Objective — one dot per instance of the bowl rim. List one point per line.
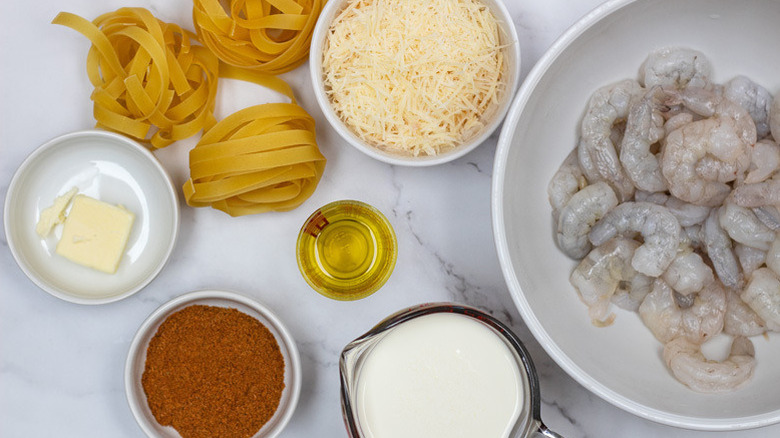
(315, 65)
(120, 141)
(499, 232)
(155, 316)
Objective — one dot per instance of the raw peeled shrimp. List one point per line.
(567, 181)
(677, 67)
(717, 243)
(699, 158)
(774, 118)
(769, 215)
(692, 236)
(686, 213)
(688, 146)
(762, 294)
(667, 319)
(659, 198)
(749, 258)
(659, 228)
(597, 153)
(764, 161)
(644, 127)
(688, 273)
(773, 255)
(711, 103)
(740, 319)
(756, 99)
(599, 275)
(630, 298)
(688, 365)
(758, 194)
(743, 226)
(676, 121)
(578, 215)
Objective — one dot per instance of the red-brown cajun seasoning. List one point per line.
(213, 372)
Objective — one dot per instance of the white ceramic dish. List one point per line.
(108, 167)
(621, 363)
(136, 359)
(512, 52)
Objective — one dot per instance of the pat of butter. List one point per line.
(95, 234)
(54, 214)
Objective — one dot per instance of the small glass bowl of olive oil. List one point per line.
(346, 250)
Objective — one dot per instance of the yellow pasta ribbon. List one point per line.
(259, 159)
(150, 82)
(272, 36)
(262, 158)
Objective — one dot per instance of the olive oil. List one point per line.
(346, 250)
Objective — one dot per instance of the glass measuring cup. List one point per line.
(354, 357)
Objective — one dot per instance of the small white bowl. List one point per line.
(621, 363)
(108, 167)
(136, 359)
(509, 39)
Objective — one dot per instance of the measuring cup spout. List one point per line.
(544, 432)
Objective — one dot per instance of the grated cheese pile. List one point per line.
(414, 77)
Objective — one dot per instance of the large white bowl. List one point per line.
(508, 37)
(621, 363)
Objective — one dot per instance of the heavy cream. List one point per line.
(439, 375)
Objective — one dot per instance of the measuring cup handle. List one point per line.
(544, 432)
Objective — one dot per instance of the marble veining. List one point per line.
(61, 364)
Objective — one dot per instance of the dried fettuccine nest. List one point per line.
(151, 82)
(271, 36)
(259, 159)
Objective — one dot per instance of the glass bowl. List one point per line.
(346, 250)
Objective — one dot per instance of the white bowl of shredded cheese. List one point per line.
(415, 83)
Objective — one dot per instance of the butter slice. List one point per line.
(54, 214)
(95, 234)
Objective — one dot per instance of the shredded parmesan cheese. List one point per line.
(414, 77)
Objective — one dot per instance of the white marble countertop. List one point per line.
(61, 364)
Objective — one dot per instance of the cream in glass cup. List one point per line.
(440, 369)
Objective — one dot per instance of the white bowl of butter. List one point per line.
(91, 217)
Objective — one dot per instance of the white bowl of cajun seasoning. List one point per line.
(212, 363)
(414, 83)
